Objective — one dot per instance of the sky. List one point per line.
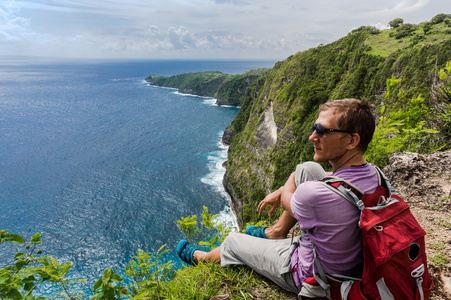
(192, 29)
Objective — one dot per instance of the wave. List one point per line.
(160, 87)
(216, 173)
(214, 178)
(207, 100)
(211, 101)
(191, 95)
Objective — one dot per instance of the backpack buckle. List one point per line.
(360, 204)
(418, 272)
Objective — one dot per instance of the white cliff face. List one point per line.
(266, 134)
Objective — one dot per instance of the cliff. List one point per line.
(227, 89)
(405, 73)
(400, 71)
(197, 83)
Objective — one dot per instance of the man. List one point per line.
(340, 135)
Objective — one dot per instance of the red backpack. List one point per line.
(395, 264)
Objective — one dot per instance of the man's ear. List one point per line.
(354, 142)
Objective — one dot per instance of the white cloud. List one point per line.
(410, 4)
(154, 30)
(182, 28)
(181, 38)
(12, 27)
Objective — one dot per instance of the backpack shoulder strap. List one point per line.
(346, 189)
(352, 193)
(383, 180)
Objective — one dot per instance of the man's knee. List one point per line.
(308, 171)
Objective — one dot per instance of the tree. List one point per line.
(396, 23)
(439, 18)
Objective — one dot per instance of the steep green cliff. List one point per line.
(228, 89)
(198, 83)
(270, 133)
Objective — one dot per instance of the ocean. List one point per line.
(102, 164)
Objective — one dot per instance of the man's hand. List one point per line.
(273, 200)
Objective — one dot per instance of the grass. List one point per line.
(438, 246)
(438, 259)
(382, 44)
(210, 279)
(444, 223)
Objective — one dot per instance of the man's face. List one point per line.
(332, 145)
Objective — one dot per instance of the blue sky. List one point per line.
(194, 29)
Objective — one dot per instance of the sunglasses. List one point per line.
(321, 130)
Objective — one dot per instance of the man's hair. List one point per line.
(356, 117)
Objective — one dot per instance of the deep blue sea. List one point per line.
(102, 164)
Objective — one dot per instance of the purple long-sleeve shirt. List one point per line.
(331, 223)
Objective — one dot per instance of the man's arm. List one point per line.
(272, 199)
(288, 190)
(280, 197)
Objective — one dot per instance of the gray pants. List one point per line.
(270, 258)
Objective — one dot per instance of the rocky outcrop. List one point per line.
(206, 89)
(266, 134)
(204, 84)
(423, 179)
(424, 182)
(235, 202)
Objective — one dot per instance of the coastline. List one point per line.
(216, 162)
(227, 89)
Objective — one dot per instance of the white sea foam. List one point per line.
(230, 106)
(211, 101)
(214, 178)
(227, 217)
(190, 95)
(214, 102)
(217, 171)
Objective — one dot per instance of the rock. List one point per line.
(227, 136)
(446, 284)
(266, 134)
(424, 182)
(422, 179)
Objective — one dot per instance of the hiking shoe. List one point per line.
(256, 231)
(185, 251)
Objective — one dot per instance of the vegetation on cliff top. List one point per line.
(228, 89)
(146, 276)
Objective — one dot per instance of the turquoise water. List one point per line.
(102, 164)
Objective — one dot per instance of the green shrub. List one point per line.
(439, 18)
(31, 270)
(146, 276)
(208, 235)
(404, 30)
(402, 130)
